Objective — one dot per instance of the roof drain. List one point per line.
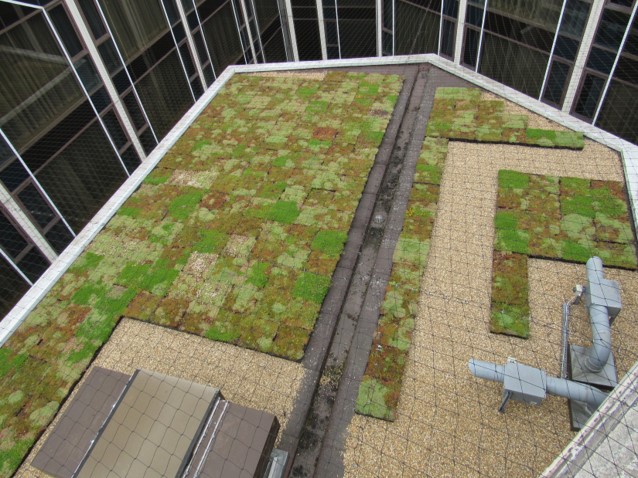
(590, 367)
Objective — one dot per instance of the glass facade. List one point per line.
(89, 88)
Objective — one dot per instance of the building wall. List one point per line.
(89, 87)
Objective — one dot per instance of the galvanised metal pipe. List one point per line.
(598, 353)
(553, 385)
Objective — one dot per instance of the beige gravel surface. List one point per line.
(448, 424)
(245, 377)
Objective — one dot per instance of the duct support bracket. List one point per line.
(606, 379)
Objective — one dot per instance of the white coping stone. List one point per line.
(611, 407)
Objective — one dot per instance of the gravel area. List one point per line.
(245, 377)
(448, 424)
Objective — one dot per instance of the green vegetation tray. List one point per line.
(461, 113)
(233, 236)
(379, 390)
(564, 218)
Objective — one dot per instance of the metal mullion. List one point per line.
(14, 266)
(441, 28)
(201, 32)
(322, 29)
(291, 30)
(480, 45)
(128, 75)
(379, 26)
(613, 68)
(460, 32)
(102, 71)
(394, 26)
(584, 48)
(83, 88)
(283, 31)
(249, 33)
(36, 182)
(551, 52)
(337, 26)
(256, 20)
(190, 41)
(16, 213)
(179, 53)
(238, 25)
(75, 73)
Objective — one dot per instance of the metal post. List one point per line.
(480, 45)
(586, 43)
(238, 25)
(322, 30)
(613, 68)
(438, 51)
(551, 52)
(82, 87)
(179, 53)
(291, 28)
(256, 20)
(201, 31)
(191, 42)
(244, 12)
(394, 26)
(379, 16)
(460, 30)
(337, 25)
(105, 77)
(121, 57)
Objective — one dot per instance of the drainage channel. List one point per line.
(337, 354)
(351, 355)
(358, 318)
(303, 452)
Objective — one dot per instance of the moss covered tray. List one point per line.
(234, 236)
(381, 384)
(550, 217)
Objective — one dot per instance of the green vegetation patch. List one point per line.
(462, 114)
(330, 243)
(570, 219)
(312, 287)
(222, 239)
(381, 384)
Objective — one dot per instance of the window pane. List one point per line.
(11, 240)
(36, 82)
(12, 287)
(589, 94)
(13, 175)
(515, 65)
(83, 176)
(556, 82)
(36, 205)
(33, 264)
(59, 237)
